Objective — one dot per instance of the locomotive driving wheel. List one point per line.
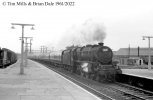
(103, 77)
(87, 75)
(98, 78)
(82, 74)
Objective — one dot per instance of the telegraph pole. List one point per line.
(22, 43)
(43, 49)
(149, 51)
(46, 49)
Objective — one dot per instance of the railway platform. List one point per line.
(38, 83)
(143, 73)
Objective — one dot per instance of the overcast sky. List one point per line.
(121, 22)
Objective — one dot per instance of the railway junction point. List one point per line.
(38, 83)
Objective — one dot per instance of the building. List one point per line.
(133, 56)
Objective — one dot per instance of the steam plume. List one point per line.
(90, 32)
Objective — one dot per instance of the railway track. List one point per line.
(87, 87)
(137, 92)
(105, 91)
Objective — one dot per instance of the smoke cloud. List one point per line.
(90, 32)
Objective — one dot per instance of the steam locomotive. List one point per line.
(91, 61)
(7, 57)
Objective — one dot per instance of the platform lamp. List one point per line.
(22, 43)
(30, 44)
(149, 51)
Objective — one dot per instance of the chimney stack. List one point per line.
(101, 44)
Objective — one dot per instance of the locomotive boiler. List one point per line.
(91, 61)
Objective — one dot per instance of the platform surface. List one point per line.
(38, 83)
(144, 73)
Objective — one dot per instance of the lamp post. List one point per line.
(30, 44)
(22, 43)
(149, 51)
(26, 50)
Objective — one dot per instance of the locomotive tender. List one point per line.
(7, 57)
(91, 61)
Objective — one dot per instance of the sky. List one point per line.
(116, 23)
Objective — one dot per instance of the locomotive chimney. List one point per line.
(101, 44)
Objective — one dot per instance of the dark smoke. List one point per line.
(90, 32)
(94, 31)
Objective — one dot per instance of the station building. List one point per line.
(133, 56)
